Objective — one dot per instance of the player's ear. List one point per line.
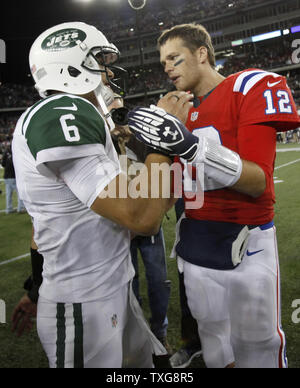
(202, 54)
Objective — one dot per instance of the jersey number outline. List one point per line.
(71, 132)
(284, 102)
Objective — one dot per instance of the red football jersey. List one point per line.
(243, 113)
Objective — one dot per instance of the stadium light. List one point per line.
(259, 38)
(137, 4)
(237, 42)
(268, 35)
(295, 29)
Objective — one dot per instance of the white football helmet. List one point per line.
(70, 58)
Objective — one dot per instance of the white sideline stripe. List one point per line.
(287, 149)
(14, 259)
(3, 211)
(287, 164)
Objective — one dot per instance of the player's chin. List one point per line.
(181, 86)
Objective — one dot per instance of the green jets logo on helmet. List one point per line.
(63, 39)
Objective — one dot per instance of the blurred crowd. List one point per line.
(152, 77)
(14, 95)
(7, 126)
(145, 85)
(264, 57)
(166, 16)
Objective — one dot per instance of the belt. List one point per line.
(267, 226)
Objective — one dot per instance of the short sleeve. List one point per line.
(63, 127)
(265, 98)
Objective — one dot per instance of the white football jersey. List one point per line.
(86, 256)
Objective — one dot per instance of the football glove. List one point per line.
(33, 283)
(162, 131)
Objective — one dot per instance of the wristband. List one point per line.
(150, 150)
(37, 262)
(33, 283)
(220, 163)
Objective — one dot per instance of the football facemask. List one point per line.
(106, 57)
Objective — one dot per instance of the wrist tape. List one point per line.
(220, 163)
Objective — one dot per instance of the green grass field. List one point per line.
(15, 232)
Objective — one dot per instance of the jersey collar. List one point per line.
(198, 100)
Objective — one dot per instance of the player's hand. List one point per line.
(177, 104)
(22, 315)
(122, 131)
(160, 130)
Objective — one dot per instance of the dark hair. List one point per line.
(193, 36)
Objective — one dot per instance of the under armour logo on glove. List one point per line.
(162, 131)
(168, 131)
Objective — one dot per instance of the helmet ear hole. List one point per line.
(73, 71)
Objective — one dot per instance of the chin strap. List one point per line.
(105, 97)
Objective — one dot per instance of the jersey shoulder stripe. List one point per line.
(248, 79)
(32, 110)
(63, 121)
(39, 104)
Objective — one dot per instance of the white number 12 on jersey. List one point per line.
(284, 103)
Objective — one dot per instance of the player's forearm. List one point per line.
(148, 212)
(252, 180)
(140, 204)
(228, 169)
(33, 243)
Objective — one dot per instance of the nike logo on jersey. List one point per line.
(73, 107)
(253, 253)
(270, 85)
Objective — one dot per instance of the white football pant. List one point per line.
(110, 333)
(238, 311)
